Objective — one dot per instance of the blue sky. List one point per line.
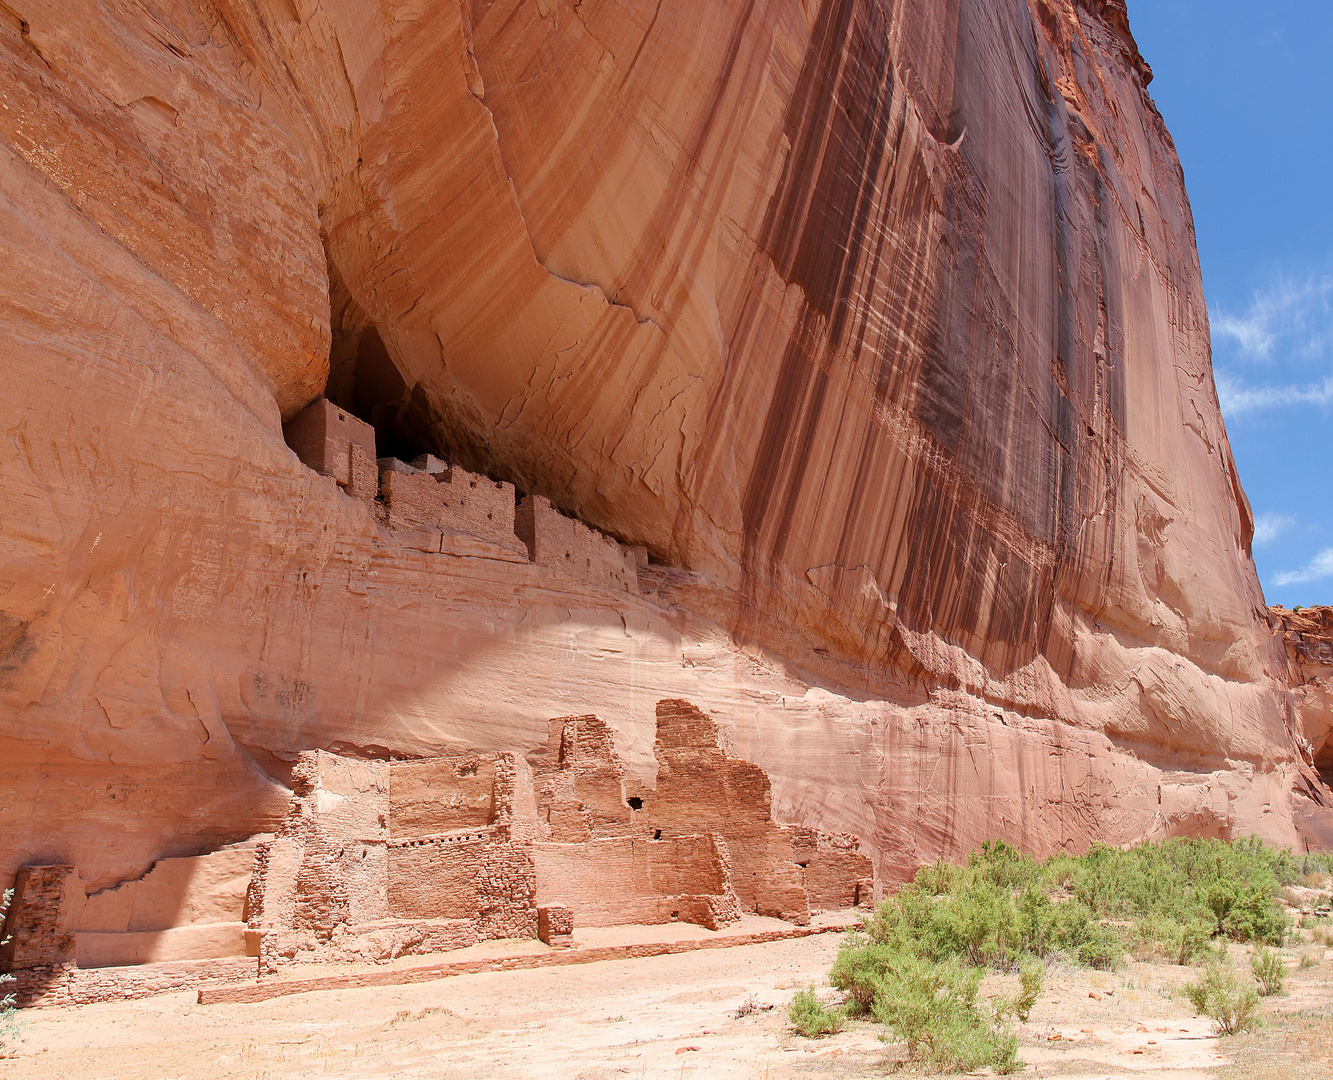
(1247, 91)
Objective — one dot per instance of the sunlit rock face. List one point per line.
(1307, 635)
(878, 324)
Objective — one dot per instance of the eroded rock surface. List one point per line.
(875, 325)
(1307, 634)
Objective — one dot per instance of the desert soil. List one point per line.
(669, 1016)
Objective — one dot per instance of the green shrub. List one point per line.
(1269, 971)
(1308, 961)
(932, 1006)
(861, 964)
(9, 1019)
(811, 1018)
(916, 962)
(1030, 973)
(1222, 995)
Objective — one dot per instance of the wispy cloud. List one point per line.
(1321, 566)
(1268, 527)
(1236, 396)
(1293, 317)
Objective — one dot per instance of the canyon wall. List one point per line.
(876, 326)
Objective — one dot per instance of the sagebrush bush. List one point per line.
(932, 1007)
(1030, 974)
(1269, 972)
(811, 1018)
(916, 963)
(1222, 995)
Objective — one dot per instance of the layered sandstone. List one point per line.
(876, 326)
(1307, 634)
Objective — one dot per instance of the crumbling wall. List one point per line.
(557, 541)
(836, 874)
(702, 789)
(580, 787)
(328, 870)
(430, 495)
(39, 929)
(382, 858)
(616, 880)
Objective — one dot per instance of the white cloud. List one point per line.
(1268, 527)
(1238, 397)
(1296, 315)
(1321, 566)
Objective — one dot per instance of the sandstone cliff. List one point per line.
(877, 323)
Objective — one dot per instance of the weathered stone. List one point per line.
(877, 325)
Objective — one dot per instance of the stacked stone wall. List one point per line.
(559, 542)
(39, 929)
(434, 496)
(702, 789)
(617, 880)
(335, 443)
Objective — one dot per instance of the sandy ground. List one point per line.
(669, 1016)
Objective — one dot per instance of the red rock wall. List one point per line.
(878, 322)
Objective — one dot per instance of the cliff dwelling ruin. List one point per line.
(384, 858)
(820, 393)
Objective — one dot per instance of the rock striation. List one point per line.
(1307, 634)
(844, 367)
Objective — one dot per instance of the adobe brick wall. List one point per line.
(322, 435)
(554, 540)
(430, 494)
(615, 880)
(42, 917)
(554, 923)
(41, 987)
(363, 474)
(411, 855)
(837, 875)
(702, 789)
(580, 785)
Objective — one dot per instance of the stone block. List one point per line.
(553, 923)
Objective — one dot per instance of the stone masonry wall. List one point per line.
(701, 789)
(617, 880)
(580, 787)
(836, 874)
(483, 877)
(434, 496)
(40, 925)
(322, 436)
(555, 540)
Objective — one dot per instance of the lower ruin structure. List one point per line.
(383, 858)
